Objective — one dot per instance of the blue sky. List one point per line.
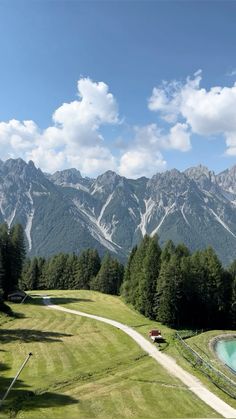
(106, 62)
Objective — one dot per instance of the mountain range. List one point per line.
(65, 212)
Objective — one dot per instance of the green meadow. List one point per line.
(82, 368)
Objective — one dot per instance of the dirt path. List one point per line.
(166, 361)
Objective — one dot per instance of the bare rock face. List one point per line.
(66, 212)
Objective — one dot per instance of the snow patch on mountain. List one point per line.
(28, 228)
(167, 211)
(104, 207)
(145, 217)
(183, 214)
(132, 212)
(99, 231)
(77, 186)
(222, 222)
(11, 217)
(35, 193)
(30, 217)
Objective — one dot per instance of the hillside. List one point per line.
(83, 368)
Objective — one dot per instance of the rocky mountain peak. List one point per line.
(70, 176)
(204, 178)
(107, 182)
(227, 180)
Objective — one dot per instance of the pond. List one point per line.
(226, 351)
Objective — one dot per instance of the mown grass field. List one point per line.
(82, 368)
(113, 307)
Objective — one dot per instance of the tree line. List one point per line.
(170, 285)
(12, 256)
(178, 288)
(69, 271)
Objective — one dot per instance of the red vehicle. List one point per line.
(155, 335)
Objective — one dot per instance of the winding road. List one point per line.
(164, 360)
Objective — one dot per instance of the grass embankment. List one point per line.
(82, 368)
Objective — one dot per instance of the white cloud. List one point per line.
(16, 136)
(231, 144)
(141, 162)
(144, 157)
(206, 112)
(152, 137)
(179, 137)
(75, 137)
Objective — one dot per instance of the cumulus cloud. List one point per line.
(141, 162)
(144, 157)
(74, 137)
(206, 112)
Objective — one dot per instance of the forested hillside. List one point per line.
(167, 284)
(178, 288)
(12, 255)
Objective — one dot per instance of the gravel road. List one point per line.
(166, 361)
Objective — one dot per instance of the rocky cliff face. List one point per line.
(66, 212)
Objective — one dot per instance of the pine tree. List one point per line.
(24, 279)
(167, 251)
(137, 274)
(17, 253)
(126, 288)
(5, 249)
(2, 277)
(109, 277)
(232, 272)
(41, 263)
(148, 279)
(88, 267)
(170, 292)
(53, 274)
(166, 294)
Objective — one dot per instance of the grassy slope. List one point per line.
(85, 369)
(114, 308)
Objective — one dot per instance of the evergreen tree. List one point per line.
(33, 275)
(148, 279)
(17, 253)
(232, 272)
(53, 272)
(109, 277)
(137, 274)
(166, 293)
(2, 277)
(126, 287)
(181, 250)
(167, 251)
(24, 280)
(215, 287)
(5, 250)
(41, 263)
(88, 267)
(71, 271)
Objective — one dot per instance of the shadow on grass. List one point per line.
(62, 300)
(29, 335)
(21, 398)
(140, 325)
(38, 300)
(26, 400)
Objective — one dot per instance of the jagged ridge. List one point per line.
(66, 212)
